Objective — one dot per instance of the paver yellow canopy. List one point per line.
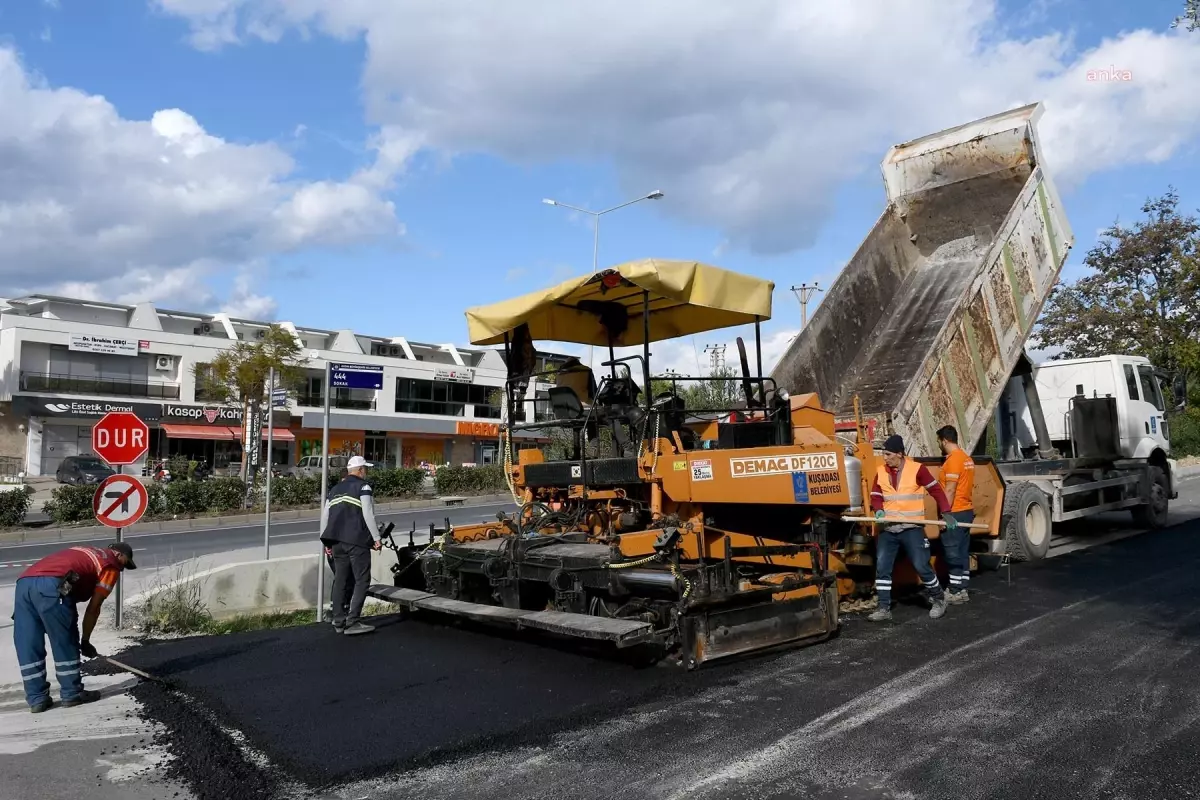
(683, 298)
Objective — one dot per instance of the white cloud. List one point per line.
(115, 208)
(748, 115)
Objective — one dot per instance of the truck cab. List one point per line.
(1132, 381)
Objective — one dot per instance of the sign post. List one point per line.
(339, 376)
(119, 501)
(270, 463)
(324, 491)
(120, 438)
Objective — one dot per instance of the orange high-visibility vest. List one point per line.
(908, 498)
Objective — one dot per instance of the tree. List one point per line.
(1191, 16)
(719, 390)
(1141, 297)
(238, 376)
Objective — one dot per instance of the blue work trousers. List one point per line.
(887, 546)
(39, 613)
(957, 544)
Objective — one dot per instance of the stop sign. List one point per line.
(120, 438)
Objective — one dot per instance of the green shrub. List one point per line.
(291, 492)
(178, 467)
(1185, 433)
(224, 494)
(469, 480)
(156, 497)
(14, 505)
(388, 483)
(186, 497)
(68, 504)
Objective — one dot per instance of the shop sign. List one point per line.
(27, 406)
(107, 345)
(481, 430)
(216, 415)
(203, 415)
(455, 375)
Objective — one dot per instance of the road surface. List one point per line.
(163, 549)
(1072, 677)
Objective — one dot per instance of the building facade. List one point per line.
(68, 362)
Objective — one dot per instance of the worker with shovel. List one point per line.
(46, 596)
(898, 492)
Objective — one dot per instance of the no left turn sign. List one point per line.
(120, 500)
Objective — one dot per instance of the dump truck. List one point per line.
(927, 325)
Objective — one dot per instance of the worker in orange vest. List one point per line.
(899, 492)
(46, 594)
(958, 481)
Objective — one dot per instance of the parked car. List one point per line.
(310, 466)
(82, 470)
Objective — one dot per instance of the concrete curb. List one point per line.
(40, 535)
(1189, 471)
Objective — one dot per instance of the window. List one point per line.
(1131, 382)
(416, 396)
(1150, 390)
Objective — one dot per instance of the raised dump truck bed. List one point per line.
(928, 319)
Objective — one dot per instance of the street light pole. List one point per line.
(657, 194)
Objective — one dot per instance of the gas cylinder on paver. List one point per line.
(854, 479)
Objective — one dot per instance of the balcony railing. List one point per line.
(318, 401)
(118, 387)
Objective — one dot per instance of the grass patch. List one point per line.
(259, 622)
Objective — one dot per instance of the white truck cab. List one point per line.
(1131, 380)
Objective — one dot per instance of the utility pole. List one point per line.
(803, 293)
(716, 357)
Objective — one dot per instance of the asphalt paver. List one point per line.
(1073, 677)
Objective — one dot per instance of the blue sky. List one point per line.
(468, 197)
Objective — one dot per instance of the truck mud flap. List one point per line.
(621, 632)
(727, 632)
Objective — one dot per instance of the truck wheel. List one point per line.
(1025, 522)
(1154, 513)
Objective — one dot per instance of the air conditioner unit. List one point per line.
(395, 350)
(205, 328)
(260, 335)
(164, 363)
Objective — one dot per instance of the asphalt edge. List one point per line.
(40, 535)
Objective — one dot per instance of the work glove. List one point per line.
(951, 522)
(880, 515)
(88, 650)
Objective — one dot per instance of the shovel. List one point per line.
(134, 670)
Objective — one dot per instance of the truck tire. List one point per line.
(1154, 513)
(1025, 522)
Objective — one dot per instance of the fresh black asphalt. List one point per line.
(1074, 677)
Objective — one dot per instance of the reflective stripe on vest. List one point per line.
(906, 499)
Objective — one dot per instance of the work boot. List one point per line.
(882, 615)
(939, 608)
(357, 629)
(38, 708)
(339, 627)
(958, 598)
(86, 696)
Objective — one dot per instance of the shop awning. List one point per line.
(211, 432)
(220, 433)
